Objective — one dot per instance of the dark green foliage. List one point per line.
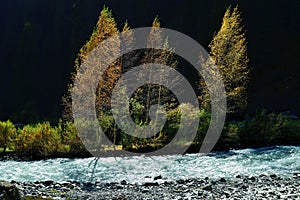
(230, 137)
(71, 140)
(204, 118)
(265, 129)
(260, 130)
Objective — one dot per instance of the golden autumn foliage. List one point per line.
(105, 28)
(40, 140)
(228, 51)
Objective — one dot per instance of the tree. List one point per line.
(228, 51)
(124, 63)
(156, 94)
(130, 59)
(105, 28)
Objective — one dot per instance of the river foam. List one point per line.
(281, 160)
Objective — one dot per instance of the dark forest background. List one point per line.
(39, 41)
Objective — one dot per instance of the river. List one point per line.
(279, 160)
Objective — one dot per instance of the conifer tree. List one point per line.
(156, 94)
(128, 41)
(105, 28)
(228, 51)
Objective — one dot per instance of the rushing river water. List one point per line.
(281, 160)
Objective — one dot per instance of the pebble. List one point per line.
(222, 180)
(157, 177)
(207, 187)
(123, 182)
(273, 176)
(261, 187)
(147, 184)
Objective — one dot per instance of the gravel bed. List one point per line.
(239, 187)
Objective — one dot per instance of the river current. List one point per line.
(279, 160)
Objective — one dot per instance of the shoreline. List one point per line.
(239, 187)
(118, 153)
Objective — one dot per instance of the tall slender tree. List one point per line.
(105, 28)
(228, 51)
(156, 94)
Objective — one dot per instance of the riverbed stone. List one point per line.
(223, 180)
(259, 188)
(157, 177)
(147, 184)
(123, 182)
(207, 187)
(9, 191)
(273, 176)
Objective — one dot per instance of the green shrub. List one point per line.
(42, 140)
(7, 133)
(204, 120)
(288, 131)
(39, 140)
(230, 137)
(265, 129)
(72, 140)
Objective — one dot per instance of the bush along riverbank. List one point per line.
(239, 187)
(42, 140)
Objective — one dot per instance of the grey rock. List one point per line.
(227, 194)
(223, 180)
(48, 183)
(259, 188)
(9, 191)
(273, 176)
(119, 187)
(147, 184)
(207, 187)
(123, 182)
(262, 176)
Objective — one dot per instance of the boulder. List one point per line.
(9, 191)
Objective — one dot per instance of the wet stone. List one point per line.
(223, 180)
(123, 182)
(207, 187)
(147, 184)
(158, 177)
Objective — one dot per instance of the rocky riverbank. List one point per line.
(239, 187)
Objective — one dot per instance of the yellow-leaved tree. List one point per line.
(105, 28)
(228, 51)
